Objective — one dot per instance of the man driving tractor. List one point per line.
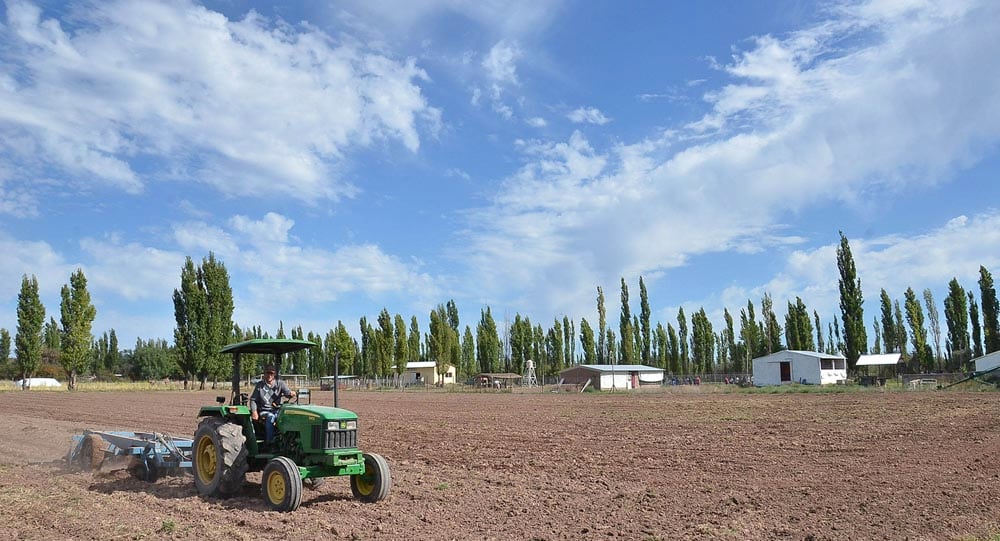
(266, 400)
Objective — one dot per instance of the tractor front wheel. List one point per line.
(219, 457)
(281, 484)
(374, 484)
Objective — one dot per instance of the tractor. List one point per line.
(310, 444)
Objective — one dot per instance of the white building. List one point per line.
(612, 376)
(791, 366)
(425, 373)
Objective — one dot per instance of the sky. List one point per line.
(345, 157)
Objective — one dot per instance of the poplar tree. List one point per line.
(189, 309)
(644, 315)
(749, 334)
(851, 305)
(900, 329)
(521, 343)
(413, 348)
(602, 324)
(662, 347)
(918, 334)
(673, 350)
(729, 339)
(4, 351)
(587, 342)
(772, 331)
(935, 325)
(977, 334)
(956, 316)
(402, 352)
(889, 337)
(702, 342)
(819, 332)
(365, 355)
(569, 341)
(468, 353)
(554, 343)
(877, 343)
(28, 339)
(625, 327)
(682, 339)
(344, 350)
(991, 326)
(77, 315)
(487, 342)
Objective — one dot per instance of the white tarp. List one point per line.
(37, 382)
(879, 360)
(651, 377)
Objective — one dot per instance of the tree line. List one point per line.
(203, 310)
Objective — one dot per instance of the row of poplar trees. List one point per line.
(203, 309)
(69, 342)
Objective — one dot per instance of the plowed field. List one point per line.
(692, 464)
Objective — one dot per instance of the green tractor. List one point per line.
(311, 443)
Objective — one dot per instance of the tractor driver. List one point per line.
(265, 399)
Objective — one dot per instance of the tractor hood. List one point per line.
(312, 414)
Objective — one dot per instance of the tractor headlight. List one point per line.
(342, 425)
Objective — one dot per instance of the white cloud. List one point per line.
(22, 257)
(501, 62)
(537, 122)
(589, 115)
(251, 107)
(131, 271)
(834, 113)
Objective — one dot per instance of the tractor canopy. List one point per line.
(276, 347)
(273, 346)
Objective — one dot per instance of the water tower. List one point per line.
(529, 379)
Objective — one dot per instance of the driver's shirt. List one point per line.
(264, 394)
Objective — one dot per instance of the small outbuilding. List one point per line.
(883, 365)
(605, 377)
(425, 373)
(790, 366)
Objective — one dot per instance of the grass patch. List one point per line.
(167, 526)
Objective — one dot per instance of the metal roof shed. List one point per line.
(790, 366)
(612, 376)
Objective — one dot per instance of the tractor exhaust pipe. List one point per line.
(336, 379)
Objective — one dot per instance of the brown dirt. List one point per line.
(664, 465)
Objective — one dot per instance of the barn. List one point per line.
(792, 366)
(605, 377)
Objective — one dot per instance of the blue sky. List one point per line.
(345, 157)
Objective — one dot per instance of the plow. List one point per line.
(304, 445)
(146, 455)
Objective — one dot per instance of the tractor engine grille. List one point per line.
(334, 439)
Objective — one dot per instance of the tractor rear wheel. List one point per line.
(219, 457)
(374, 484)
(281, 484)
